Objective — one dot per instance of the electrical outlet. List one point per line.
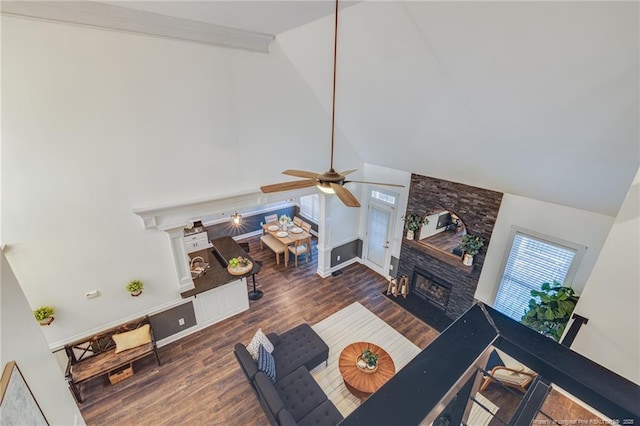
(91, 294)
(338, 258)
(181, 321)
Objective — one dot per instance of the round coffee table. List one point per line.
(362, 384)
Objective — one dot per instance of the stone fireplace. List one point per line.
(430, 288)
(440, 284)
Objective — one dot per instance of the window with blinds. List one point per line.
(532, 262)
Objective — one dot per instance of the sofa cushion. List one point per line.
(248, 365)
(266, 364)
(324, 414)
(268, 392)
(300, 393)
(300, 346)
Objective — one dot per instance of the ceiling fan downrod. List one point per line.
(333, 100)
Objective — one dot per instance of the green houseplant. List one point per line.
(44, 315)
(135, 287)
(471, 245)
(412, 223)
(370, 358)
(550, 309)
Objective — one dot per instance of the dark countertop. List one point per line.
(217, 275)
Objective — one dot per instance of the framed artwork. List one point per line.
(17, 404)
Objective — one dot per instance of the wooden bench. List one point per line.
(95, 356)
(275, 245)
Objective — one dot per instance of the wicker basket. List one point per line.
(366, 370)
(120, 374)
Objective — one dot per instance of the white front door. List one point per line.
(377, 246)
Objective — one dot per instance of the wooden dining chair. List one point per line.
(301, 247)
(269, 219)
(306, 227)
(297, 221)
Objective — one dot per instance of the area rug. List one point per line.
(355, 323)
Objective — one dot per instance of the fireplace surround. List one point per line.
(478, 209)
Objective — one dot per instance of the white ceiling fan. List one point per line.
(329, 181)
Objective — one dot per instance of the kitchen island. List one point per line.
(218, 294)
(218, 257)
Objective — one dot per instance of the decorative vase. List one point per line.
(136, 293)
(467, 259)
(410, 234)
(46, 321)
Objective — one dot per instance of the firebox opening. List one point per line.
(430, 288)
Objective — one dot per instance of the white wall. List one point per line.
(97, 123)
(472, 92)
(23, 342)
(569, 224)
(612, 295)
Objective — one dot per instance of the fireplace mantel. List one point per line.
(448, 258)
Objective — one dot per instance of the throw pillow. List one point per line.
(266, 363)
(259, 339)
(132, 339)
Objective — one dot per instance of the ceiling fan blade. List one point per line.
(287, 186)
(348, 172)
(375, 183)
(301, 173)
(345, 195)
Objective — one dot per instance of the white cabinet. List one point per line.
(222, 302)
(197, 241)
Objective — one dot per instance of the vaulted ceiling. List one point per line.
(538, 99)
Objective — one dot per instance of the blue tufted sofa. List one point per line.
(295, 398)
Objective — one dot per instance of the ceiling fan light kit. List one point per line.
(329, 182)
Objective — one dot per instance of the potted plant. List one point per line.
(135, 287)
(368, 360)
(44, 315)
(550, 309)
(471, 245)
(412, 223)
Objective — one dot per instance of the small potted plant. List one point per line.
(412, 223)
(135, 287)
(368, 361)
(471, 245)
(44, 315)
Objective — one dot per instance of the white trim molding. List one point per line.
(107, 16)
(179, 215)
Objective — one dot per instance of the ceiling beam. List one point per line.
(101, 15)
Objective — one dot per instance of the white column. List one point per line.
(180, 260)
(324, 235)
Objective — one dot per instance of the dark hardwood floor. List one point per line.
(200, 382)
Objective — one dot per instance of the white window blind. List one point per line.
(310, 206)
(531, 263)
